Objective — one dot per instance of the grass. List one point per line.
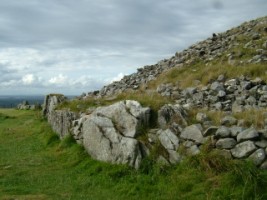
(151, 99)
(185, 77)
(35, 164)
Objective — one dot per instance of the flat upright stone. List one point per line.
(168, 139)
(193, 133)
(243, 150)
(225, 143)
(248, 134)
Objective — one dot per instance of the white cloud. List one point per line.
(28, 79)
(58, 80)
(117, 78)
(81, 45)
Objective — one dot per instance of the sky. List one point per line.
(76, 46)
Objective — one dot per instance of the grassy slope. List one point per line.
(34, 164)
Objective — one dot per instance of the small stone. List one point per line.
(192, 133)
(174, 157)
(221, 94)
(258, 157)
(216, 86)
(168, 139)
(261, 143)
(223, 132)
(243, 149)
(193, 150)
(255, 36)
(248, 134)
(228, 121)
(225, 153)
(226, 143)
(221, 78)
(264, 165)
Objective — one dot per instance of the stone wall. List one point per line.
(60, 120)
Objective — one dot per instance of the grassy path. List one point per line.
(34, 164)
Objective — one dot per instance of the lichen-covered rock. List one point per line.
(243, 149)
(193, 133)
(168, 139)
(171, 113)
(222, 132)
(108, 133)
(247, 134)
(60, 120)
(258, 157)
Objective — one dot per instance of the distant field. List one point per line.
(35, 164)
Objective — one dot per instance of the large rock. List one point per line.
(108, 133)
(247, 134)
(129, 117)
(243, 149)
(50, 103)
(193, 133)
(60, 120)
(223, 132)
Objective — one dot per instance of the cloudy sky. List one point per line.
(75, 46)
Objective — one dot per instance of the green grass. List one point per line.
(35, 164)
(185, 77)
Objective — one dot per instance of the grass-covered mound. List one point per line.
(35, 164)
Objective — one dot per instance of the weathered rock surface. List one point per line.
(171, 113)
(168, 139)
(60, 120)
(109, 133)
(258, 157)
(247, 134)
(193, 133)
(226, 143)
(243, 149)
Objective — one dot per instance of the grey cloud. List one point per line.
(102, 38)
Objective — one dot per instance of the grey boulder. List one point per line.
(243, 149)
(225, 143)
(193, 133)
(247, 134)
(108, 133)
